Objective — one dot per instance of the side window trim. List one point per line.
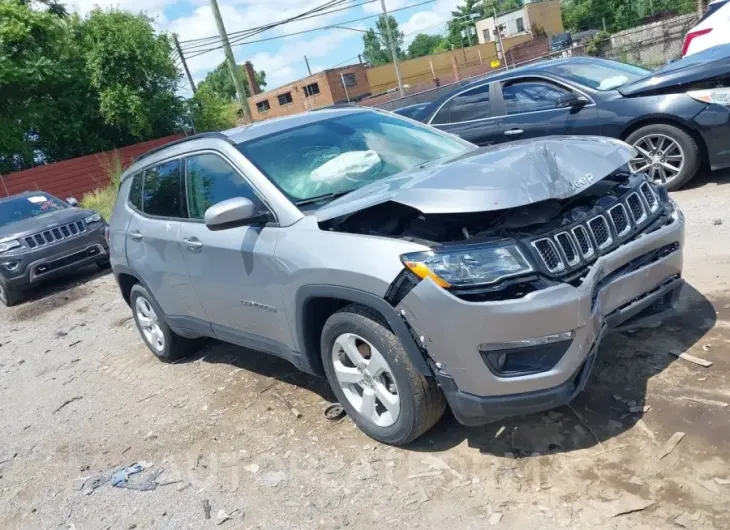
(500, 85)
(142, 173)
(233, 167)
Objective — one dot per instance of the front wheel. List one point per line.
(375, 380)
(666, 153)
(8, 295)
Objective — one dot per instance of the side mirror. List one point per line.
(72, 202)
(232, 213)
(572, 100)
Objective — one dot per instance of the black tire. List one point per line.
(103, 264)
(421, 401)
(175, 346)
(10, 296)
(685, 141)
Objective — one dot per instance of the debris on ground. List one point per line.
(495, 518)
(334, 412)
(293, 410)
(717, 222)
(706, 347)
(643, 427)
(120, 478)
(224, 516)
(206, 508)
(710, 402)
(691, 358)
(7, 456)
(273, 478)
(68, 402)
(252, 468)
(670, 444)
(687, 520)
(722, 481)
(625, 504)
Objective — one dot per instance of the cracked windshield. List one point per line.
(342, 154)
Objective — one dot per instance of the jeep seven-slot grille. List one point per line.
(571, 248)
(52, 235)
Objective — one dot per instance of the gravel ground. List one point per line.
(81, 397)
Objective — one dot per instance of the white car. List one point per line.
(712, 29)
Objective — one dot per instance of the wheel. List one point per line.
(666, 153)
(103, 263)
(374, 379)
(160, 339)
(9, 296)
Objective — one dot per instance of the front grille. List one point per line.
(600, 231)
(549, 254)
(638, 212)
(54, 235)
(571, 248)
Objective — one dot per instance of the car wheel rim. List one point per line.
(366, 379)
(149, 324)
(659, 156)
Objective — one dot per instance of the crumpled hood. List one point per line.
(494, 178)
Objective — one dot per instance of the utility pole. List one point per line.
(499, 37)
(604, 23)
(184, 62)
(232, 66)
(347, 95)
(391, 44)
(308, 68)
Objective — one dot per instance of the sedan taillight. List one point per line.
(692, 35)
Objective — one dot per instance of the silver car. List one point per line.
(409, 267)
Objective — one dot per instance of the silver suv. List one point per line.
(411, 268)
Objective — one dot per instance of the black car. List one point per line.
(412, 111)
(42, 236)
(677, 118)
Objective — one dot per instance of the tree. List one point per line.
(376, 49)
(210, 111)
(424, 45)
(221, 82)
(579, 15)
(463, 18)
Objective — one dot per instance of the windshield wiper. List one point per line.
(321, 198)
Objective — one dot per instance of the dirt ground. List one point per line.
(81, 397)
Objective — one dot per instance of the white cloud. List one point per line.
(431, 22)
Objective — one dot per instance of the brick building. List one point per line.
(336, 85)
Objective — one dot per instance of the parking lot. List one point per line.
(234, 438)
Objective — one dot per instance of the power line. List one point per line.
(331, 26)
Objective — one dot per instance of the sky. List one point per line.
(282, 59)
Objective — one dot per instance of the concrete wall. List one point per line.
(416, 72)
(650, 45)
(73, 178)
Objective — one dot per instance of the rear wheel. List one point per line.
(8, 295)
(666, 153)
(374, 379)
(160, 339)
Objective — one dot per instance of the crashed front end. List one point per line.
(510, 304)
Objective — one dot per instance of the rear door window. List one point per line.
(135, 192)
(162, 191)
(467, 106)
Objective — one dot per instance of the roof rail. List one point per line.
(218, 135)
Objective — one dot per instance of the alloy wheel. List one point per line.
(149, 324)
(660, 156)
(366, 379)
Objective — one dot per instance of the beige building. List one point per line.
(520, 21)
(337, 85)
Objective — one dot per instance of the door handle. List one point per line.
(193, 243)
(513, 132)
(136, 235)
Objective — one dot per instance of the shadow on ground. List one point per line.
(708, 177)
(626, 361)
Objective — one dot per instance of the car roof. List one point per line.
(534, 68)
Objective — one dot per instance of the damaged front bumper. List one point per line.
(464, 338)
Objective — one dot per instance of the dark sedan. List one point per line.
(677, 118)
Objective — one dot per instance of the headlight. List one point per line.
(468, 266)
(9, 244)
(720, 96)
(92, 219)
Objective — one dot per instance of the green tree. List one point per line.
(210, 111)
(617, 15)
(424, 45)
(462, 21)
(132, 69)
(221, 82)
(376, 50)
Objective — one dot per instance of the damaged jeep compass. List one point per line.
(409, 267)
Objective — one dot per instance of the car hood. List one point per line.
(42, 222)
(494, 178)
(705, 65)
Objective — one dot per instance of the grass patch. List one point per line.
(102, 199)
